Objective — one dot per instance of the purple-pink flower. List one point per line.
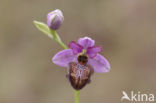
(99, 63)
(55, 19)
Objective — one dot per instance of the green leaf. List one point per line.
(44, 28)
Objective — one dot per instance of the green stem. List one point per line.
(58, 40)
(77, 96)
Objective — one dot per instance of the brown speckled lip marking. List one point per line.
(80, 73)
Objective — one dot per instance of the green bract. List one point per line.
(44, 28)
(49, 32)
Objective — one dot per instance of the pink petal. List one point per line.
(75, 47)
(55, 19)
(100, 64)
(63, 58)
(92, 51)
(86, 42)
(50, 16)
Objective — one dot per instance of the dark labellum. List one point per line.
(80, 73)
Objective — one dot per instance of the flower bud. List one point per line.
(55, 19)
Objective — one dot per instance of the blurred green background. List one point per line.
(126, 29)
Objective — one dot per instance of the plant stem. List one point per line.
(77, 96)
(58, 40)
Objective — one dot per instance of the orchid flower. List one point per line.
(55, 19)
(81, 59)
(96, 60)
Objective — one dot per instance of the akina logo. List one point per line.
(137, 96)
